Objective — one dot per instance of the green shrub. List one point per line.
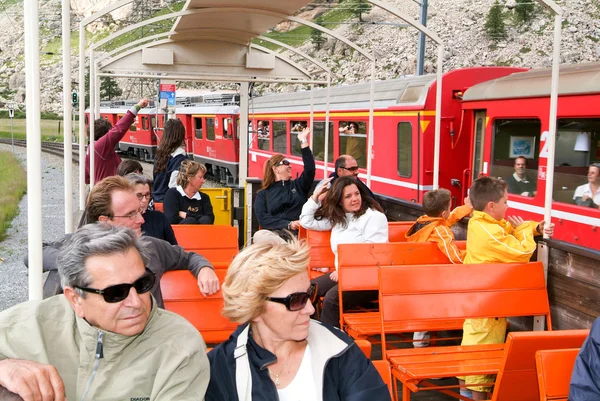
(494, 23)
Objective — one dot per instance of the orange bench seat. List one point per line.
(554, 369)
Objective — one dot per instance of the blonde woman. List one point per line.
(185, 204)
(278, 352)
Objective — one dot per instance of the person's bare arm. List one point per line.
(31, 380)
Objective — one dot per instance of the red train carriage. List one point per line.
(404, 121)
(509, 117)
(213, 138)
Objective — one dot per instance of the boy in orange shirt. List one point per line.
(492, 239)
(435, 226)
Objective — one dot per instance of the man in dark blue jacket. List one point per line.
(585, 381)
(346, 165)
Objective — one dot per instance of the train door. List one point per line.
(479, 166)
(220, 199)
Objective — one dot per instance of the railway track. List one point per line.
(53, 148)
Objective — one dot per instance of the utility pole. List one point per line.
(421, 47)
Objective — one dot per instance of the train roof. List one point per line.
(406, 91)
(574, 79)
(203, 108)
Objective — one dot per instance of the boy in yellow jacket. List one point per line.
(435, 226)
(492, 239)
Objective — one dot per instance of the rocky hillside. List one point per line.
(460, 23)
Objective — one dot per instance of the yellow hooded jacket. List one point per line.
(437, 229)
(493, 241)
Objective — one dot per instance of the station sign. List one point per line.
(11, 110)
(167, 92)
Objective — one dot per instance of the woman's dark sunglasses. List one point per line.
(117, 293)
(284, 162)
(296, 301)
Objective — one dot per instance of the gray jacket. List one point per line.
(166, 361)
(163, 257)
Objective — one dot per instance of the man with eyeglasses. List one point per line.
(113, 201)
(105, 338)
(346, 165)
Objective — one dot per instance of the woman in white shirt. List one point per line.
(353, 217)
(589, 194)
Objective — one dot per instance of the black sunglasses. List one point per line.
(296, 301)
(117, 293)
(355, 168)
(284, 162)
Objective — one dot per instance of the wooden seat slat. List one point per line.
(415, 354)
(463, 367)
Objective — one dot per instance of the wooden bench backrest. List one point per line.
(320, 249)
(554, 370)
(397, 230)
(158, 206)
(218, 244)
(182, 296)
(463, 291)
(358, 264)
(517, 378)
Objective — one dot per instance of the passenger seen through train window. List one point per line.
(575, 179)
(353, 140)
(515, 154)
(296, 127)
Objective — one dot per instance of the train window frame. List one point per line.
(319, 144)
(296, 127)
(237, 129)
(198, 132)
(145, 123)
(279, 135)
(517, 137)
(344, 138)
(408, 163)
(226, 121)
(210, 128)
(571, 166)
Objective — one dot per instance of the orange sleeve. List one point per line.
(458, 213)
(445, 241)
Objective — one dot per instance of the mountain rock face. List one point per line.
(459, 23)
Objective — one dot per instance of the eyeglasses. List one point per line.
(142, 196)
(117, 293)
(284, 162)
(354, 168)
(297, 300)
(133, 214)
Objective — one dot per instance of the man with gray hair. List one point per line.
(105, 338)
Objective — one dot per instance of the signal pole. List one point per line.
(421, 47)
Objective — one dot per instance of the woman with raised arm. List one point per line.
(185, 204)
(353, 217)
(278, 352)
(169, 155)
(279, 202)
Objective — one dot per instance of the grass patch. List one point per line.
(525, 49)
(49, 129)
(297, 36)
(13, 181)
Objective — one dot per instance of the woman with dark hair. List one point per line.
(185, 204)
(279, 202)
(169, 155)
(129, 166)
(353, 217)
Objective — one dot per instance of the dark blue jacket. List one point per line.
(347, 373)
(161, 179)
(282, 202)
(156, 225)
(585, 381)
